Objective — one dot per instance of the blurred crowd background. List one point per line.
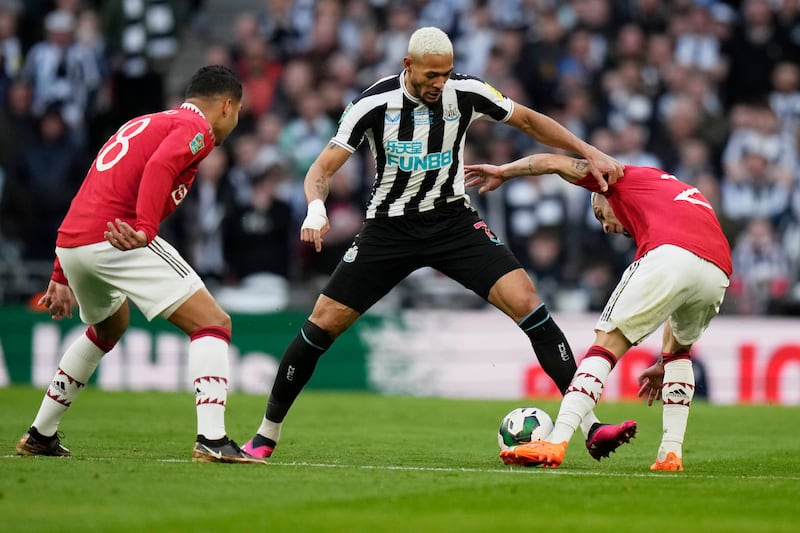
(708, 90)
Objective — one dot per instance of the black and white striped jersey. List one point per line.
(418, 148)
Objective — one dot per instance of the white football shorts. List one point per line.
(668, 282)
(155, 277)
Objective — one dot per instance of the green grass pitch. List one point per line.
(359, 462)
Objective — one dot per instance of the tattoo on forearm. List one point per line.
(322, 187)
(530, 165)
(580, 164)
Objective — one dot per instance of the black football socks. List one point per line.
(551, 346)
(295, 369)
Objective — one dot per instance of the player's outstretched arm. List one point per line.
(605, 169)
(316, 225)
(489, 177)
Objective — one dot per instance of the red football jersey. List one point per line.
(656, 208)
(140, 176)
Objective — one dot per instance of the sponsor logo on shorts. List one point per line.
(350, 254)
(482, 225)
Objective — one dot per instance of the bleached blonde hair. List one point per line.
(429, 40)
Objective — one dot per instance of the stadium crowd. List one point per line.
(707, 89)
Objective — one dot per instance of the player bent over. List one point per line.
(678, 278)
(108, 251)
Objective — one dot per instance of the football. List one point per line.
(523, 424)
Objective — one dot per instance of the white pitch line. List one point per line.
(510, 470)
(529, 471)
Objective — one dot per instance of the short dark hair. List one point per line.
(214, 80)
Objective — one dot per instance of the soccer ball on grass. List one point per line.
(523, 424)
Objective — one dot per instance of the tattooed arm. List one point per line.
(328, 162)
(316, 187)
(490, 177)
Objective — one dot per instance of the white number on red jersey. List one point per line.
(121, 139)
(687, 196)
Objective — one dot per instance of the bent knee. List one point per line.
(515, 295)
(332, 317)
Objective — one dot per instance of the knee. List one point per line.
(518, 305)
(333, 319)
(515, 294)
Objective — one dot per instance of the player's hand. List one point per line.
(123, 237)
(489, 177)
(59, 300)
(650, 381)
(315, 225)
(605, 169)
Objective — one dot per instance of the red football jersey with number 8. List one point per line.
(140, 175)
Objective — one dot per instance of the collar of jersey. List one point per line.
(192, 107)
(405, 91)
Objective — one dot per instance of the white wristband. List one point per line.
(317, 215)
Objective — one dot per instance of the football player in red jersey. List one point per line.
(108, 251)
(678, 278)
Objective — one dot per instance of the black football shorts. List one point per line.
(451, 239)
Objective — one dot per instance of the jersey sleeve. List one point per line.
(353, 125)
(185, 146)
(58, 273)
(488, 101)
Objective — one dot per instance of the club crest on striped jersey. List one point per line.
(451, 113)
(197, 143)
(350, 254)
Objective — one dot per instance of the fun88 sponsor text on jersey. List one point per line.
(418, 146)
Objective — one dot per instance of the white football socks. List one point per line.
(581, 397)
(270, 429)
(677, 393)
(208, 369)
(74, 370)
